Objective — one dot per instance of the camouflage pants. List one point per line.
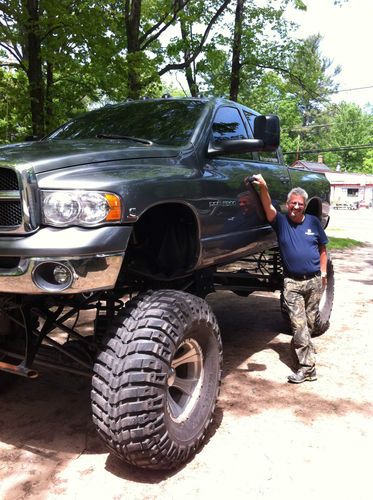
(302, 300)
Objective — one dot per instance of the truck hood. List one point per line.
(44, 156)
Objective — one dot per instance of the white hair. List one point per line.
(299, 192)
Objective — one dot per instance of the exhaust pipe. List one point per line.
(20, 370)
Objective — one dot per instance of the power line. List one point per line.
(341, 148)
(321, 125)
(329, 92)
(350, 90)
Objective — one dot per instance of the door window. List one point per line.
(228, 125)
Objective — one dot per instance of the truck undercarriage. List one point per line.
(36, 319)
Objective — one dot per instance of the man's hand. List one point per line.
(265, 198)
(256, 179)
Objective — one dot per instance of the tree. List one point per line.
(194, 41)
(368, 162)
(14, 108)
(76, 51)
(350, 126)
(55, 44)
(21, 37)
(311, 78)
(257, 41)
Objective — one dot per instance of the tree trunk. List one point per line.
(49, 99)
(34, 67)
(189, 73)
(236, 52)
(132, 14)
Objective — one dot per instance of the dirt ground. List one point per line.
(270, 439)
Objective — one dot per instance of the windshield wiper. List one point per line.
(125, 137)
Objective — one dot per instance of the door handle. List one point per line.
(284, 179)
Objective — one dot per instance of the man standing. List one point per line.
(302, 243)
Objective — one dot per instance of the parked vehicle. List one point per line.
(135, 211)
(344, 205)
(364, 204)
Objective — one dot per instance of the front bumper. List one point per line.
(92, 256)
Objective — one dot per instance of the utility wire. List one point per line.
(341, 148)
(350, 90)
(329, 92)
(321, 125)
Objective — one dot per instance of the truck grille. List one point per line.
(10, 199)
(8, 180)
(10, 213)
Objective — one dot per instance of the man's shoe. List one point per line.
(303, 374)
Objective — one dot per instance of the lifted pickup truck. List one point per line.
(137, 211)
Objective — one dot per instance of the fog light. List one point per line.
(61, 274)
(53, 276)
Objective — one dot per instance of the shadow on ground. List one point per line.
(47, 422)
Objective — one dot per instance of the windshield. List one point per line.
(166, 122)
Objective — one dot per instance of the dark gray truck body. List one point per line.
(205, 188)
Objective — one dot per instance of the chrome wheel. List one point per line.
(185, 380)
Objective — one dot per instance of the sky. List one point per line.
(347, 33)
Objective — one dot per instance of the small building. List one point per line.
(313, 166)
(351, 188)
(347, 189)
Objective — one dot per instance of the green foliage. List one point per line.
(349, 126)
(311, 78)
(96, 52)
(342, 243)
(368, 162)
(14, 110)
(76, 52)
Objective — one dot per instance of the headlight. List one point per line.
(81, 208)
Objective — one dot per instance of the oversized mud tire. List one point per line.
(326, 302)
(325, 308)
(157, 378)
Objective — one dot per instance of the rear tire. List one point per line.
(326, 302)
(325, 307)
(157, 378)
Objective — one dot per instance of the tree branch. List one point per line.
(51, 30)
(14, 52)
(197, 51)
(144, 42)
(5, 8)
(9, 65)
(286, 71)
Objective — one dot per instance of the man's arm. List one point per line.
(265, 197)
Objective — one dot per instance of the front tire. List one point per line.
(157, 378)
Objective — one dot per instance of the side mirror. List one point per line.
(267, 129)
(234, 146)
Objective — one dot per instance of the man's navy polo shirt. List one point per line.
(299, 243)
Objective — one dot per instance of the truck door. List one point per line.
(274, 171)
(277, 177)
(234, 217)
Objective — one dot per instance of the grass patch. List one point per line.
(342, 243)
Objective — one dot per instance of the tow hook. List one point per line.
(20, 370)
